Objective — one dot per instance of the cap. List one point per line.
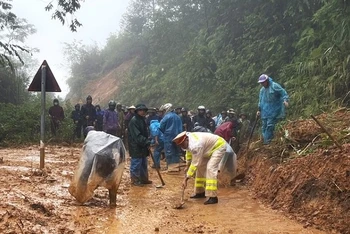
(263, 78)
(131, 107)
(151, 109)
(181, 137)
(231, 111)
(141, 107)
(201, 108)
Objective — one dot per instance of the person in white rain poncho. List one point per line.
(204, 152)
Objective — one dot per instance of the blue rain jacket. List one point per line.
(271, 101)
(154, 130)
(170, 126)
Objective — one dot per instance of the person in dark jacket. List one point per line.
(76, 116)
(139, 146)
(210, 122)
(121, 117)
(99, 118)
(152, 115)
(128, 117)
(88, 113)
(186, 120)
(56, 115)
(110, 119)
(200, 117)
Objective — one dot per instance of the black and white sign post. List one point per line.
(44, 81)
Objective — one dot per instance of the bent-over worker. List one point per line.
(204, 152)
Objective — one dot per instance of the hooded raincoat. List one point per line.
(271, 108)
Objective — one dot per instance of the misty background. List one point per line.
(100, 18)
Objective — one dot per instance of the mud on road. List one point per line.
(34, 201)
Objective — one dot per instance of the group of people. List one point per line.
(110, 120)
(205, 146)
(204, 139)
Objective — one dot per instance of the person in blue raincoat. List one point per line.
(158, 138)
(171, 126)
(272, 102)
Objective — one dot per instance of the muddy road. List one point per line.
(34, 201)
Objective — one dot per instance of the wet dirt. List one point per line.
(37, 201)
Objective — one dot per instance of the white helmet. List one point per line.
(166, 107)
(201, 108)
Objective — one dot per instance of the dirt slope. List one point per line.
(306, 175)
(104, 88)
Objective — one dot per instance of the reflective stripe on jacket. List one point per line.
(201, 144)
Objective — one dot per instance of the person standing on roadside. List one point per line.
(99, 118)
(271, 108)
(76, 116)
(110, 119)
(121, 117)
(56, 115)
(88, 113)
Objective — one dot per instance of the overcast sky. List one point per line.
(100, 18)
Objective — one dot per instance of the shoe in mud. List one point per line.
(211, 200)
(198, 195)
(137, 183)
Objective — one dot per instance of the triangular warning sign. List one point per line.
(51, 83)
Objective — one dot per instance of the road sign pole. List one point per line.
(42, 122)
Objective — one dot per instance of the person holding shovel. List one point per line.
(204, 152)
(272, 102)
(138, 146)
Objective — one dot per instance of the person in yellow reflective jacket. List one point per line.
(204, 152)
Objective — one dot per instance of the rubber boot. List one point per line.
(211, 200)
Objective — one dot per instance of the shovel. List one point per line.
(182, 202)
(157, 169)
(251, 133)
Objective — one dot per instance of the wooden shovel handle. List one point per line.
(325, 130)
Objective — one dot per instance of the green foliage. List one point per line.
(20, 124)
(66, 8)
(13, 31)
(212, 52)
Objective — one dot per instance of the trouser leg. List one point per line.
(212, 172)
(78, 130)
(157, 153)
(199, 181)
(172, 154)
(135, 169)
(144, 169)
(269, 127)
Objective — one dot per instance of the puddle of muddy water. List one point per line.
(149, 209)
(141, 209)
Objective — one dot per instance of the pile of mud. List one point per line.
(304, 174)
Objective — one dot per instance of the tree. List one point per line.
(65, 8)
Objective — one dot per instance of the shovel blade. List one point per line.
(179, 206)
